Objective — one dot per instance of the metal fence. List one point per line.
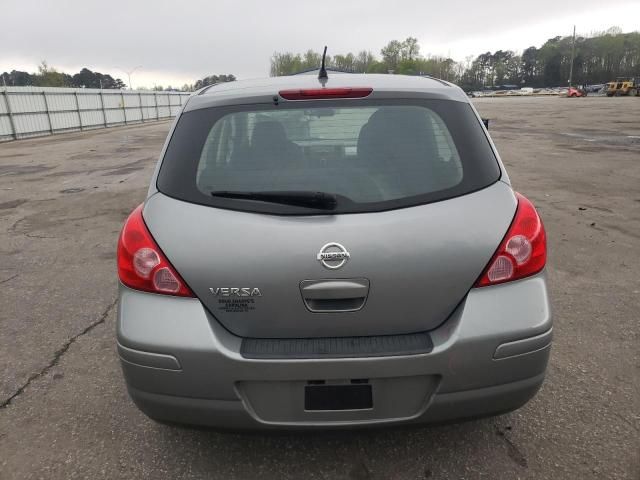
(36, 111)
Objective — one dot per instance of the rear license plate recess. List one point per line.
(338, 397)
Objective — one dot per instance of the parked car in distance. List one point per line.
(597, 88)
(576, 92)
(331, 253)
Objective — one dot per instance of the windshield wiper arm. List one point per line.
(319, 200)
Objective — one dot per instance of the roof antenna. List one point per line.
(322, 75)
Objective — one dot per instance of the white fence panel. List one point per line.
(64, 121)
(114, 117)
(89, 102)
(164, 112)
(148, 100)
(35, 123)
(59, 102)
(112, 100)
(92, 118)
(34, 111)
(133, 115)
(131, 101)
(27, 103)
(149, 113)
(5, 125)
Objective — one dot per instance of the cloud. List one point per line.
(180, 42)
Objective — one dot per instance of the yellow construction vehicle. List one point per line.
(623, 86)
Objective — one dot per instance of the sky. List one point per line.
(173, 43)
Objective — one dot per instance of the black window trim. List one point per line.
(258, 207)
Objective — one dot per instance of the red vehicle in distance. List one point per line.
(576, 92)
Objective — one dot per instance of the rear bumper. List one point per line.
(232, 414)
(181, 365)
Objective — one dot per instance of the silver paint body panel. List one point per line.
(420, 261)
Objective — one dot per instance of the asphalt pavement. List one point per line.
(64, 410)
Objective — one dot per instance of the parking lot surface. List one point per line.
(64, 410)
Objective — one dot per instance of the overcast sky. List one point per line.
(176, 44)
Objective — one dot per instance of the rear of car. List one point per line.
(336, 254)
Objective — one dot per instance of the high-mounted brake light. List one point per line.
(522, 252)
(326, 93)
(141, 263)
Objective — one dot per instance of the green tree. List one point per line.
(285, 64)
(391, 54)
(16, 78)
(50, 77)
(410, 49)
(599, 58)
(344, 63)
(363, 61)
(212, 80)
(88, 79)
(311, 60)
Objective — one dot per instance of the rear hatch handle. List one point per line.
(335, 295)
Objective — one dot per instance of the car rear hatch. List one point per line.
(415, 213)
(407, 269)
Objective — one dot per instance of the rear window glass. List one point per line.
(371, 156)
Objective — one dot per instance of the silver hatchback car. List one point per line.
(322, 253)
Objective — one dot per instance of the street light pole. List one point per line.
(129, 73)
(573, 50)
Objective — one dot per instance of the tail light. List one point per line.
(141, 263)
(326, 93)
(523, 251)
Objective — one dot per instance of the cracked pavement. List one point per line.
(64, 410)
(57, 355)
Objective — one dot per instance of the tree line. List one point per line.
(204, 82)
(47, 76)
(598, 58)
(50, 77)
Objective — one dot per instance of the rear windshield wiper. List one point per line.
(319, 200)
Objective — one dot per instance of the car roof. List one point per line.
(264, 89)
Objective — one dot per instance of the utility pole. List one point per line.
(573, 51)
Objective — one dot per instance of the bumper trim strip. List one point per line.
(526, 345)
(336, 347)
(148, 359)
